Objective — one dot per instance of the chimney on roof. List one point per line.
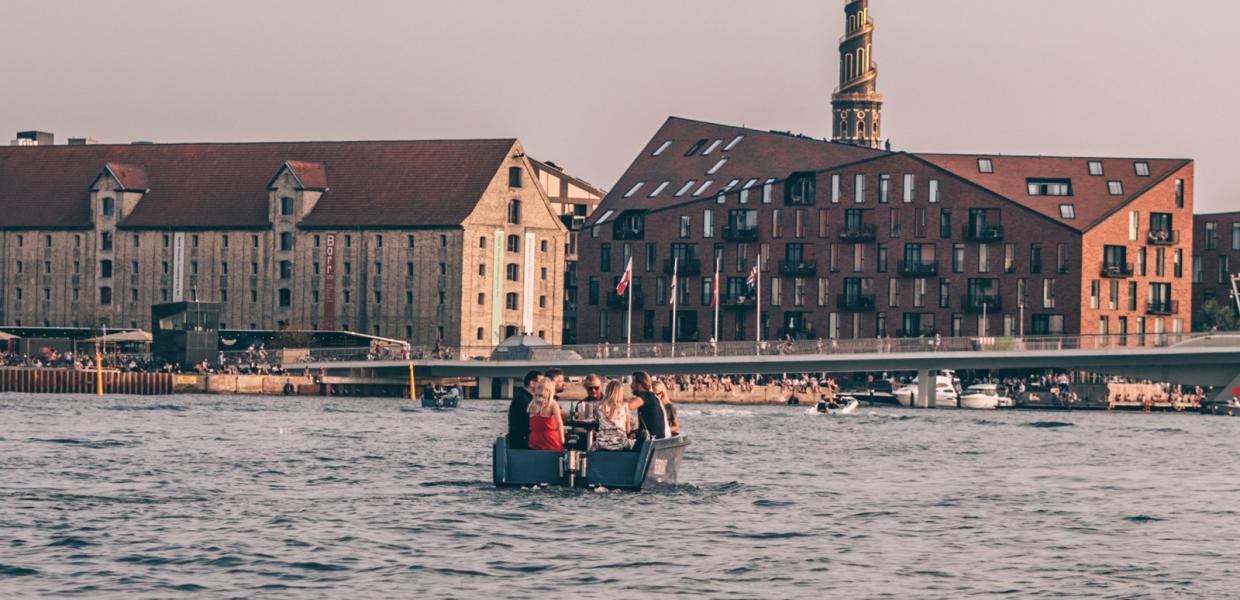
(83, 141)
(33, 138)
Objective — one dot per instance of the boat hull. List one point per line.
(656, 462)
(440, 402)
(1220, 409)
(979, 402)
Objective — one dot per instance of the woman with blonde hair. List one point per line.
(669, 409)
(546, 421)
(613, 420)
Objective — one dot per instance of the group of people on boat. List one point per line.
(612, 417)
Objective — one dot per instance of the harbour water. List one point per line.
(213, 496)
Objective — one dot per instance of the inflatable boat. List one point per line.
(654, 462)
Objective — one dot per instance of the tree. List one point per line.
(1215, 315)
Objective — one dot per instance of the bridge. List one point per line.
(1208, 360)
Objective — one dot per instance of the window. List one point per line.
(985, 165)
(708, 223)
(105, 269)
(1067, 211)
(1211, 236)
(1142, 168)
(514, 177)
(633, 190)
(1179, 193)
(109, 207)
(658, 190)
(286, 269)
(945, 223)
(718, 165)
(859, 188)
(286, 297)
(884, 188)
(105, 241)
(660, 150)
(1048, 293)
(378, 297)
(193, 267)
(945, 293)
(514, 243)
(514, 212)
(732, 144)
(512, 272)
(604, 257)
(766, 191)
(136, 241)
(1049, 187)
(1095, 168)
(957, 258)
(1134, 225)
(702, 189)
(286, 241)
(511, 301)
(910, 183)
(686, 226)
(712, 147)
(835, 189)
(934, 191)
(775, 223)
(286, 206)
(1115, 188)
(685, 189)
(697, 146)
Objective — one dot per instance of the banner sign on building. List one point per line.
(329, 282)
(178, 266)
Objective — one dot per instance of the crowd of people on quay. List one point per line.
(612, 417)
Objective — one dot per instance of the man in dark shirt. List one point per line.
(518, 412)
(649, 411)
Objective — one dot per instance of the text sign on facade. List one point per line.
(329, 282)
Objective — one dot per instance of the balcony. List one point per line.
(923, 332)
(799, 334)
(1116, 270)
(977, 303)
(1162, 307)
(919, 268)
(738, 302)
(858, 233)
(1163, 237)
(682, 335)
(855, 302)
(740, 234)
(798, 268)
(983, 233)
(691, 267)
(615, 300)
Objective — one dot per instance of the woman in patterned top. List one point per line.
(613, 420)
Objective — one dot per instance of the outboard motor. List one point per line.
(573, 464)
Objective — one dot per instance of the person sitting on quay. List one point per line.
(613, 420)
(650, 413)
(518, 412)
(669, 409)
(546, 422)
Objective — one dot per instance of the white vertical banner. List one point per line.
(178, 266)
(527, 294)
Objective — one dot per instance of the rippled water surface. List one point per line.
(361, 498)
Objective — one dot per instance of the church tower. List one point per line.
(858, 107)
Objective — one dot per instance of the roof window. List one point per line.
(705, 186)
(718, 165)
(663, 148)
(732, 144)
(750, 183)
(1049, 187)
(1115, 188)
(1095, 168)
(637, 186)
(1142, 167)
(1067, 211)
(659, 190)
(712, 147)
(731, 184)
(696, 147)
(684, 190)
(985, 165)
(603, 219)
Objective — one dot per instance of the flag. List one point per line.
(675, 277)
(714, 290)
(626, 279)
(753, 277)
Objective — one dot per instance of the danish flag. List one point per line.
(626, 279)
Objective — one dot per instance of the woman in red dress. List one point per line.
(546, 421)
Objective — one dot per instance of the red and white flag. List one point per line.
(626, 279)
(675, 278)
(753, 277)
(714, 290)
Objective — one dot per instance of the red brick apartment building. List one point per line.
(1216, 240)
(857, 243)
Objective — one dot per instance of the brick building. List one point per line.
(859, 243)
(1216, 254)
(427, 241)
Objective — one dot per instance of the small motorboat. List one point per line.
(876, 392)
(849, 406)
(441, 400)
(985, 396)
(1226, 409)
(653, 462)
(945, 395)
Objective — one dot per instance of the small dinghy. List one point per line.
(654, 462)
(849, 407)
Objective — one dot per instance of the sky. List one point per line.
(586, 83)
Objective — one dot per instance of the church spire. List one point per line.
(858, 107)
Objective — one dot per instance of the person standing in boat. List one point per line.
(546, 420)
(650, 413)
(613, 420)
(518, 412)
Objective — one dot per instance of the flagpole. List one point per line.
(675, 298)
(758, 306)
(628, 325)
(716, 300)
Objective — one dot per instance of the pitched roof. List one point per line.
(130, 177)
(397, 184)
(697, 153)
(1091, 197)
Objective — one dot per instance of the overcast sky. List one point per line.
(586, 83)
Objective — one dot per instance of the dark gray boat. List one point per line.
(654, 462)
(1227, 409)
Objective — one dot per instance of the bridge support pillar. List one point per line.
(495, 388)
(927, 392)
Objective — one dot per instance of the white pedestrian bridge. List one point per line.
(1205, 359)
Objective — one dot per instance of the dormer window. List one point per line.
(630, 226)
(286, 206)
(1049, 187)
(1142, 168)
(1095, 168)
(109, 207)
(800, 189)
(985, 165)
